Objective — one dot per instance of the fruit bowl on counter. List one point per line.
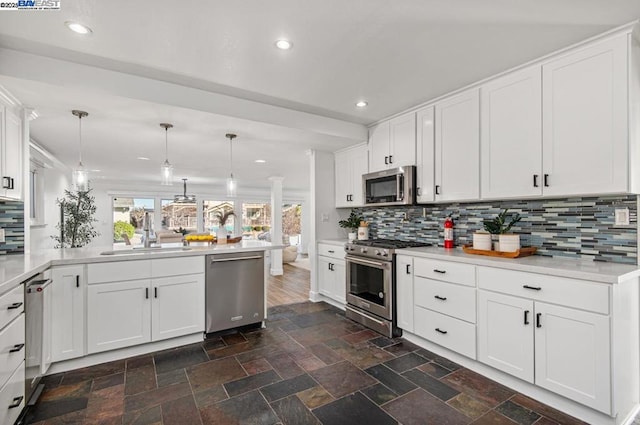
(201, 238)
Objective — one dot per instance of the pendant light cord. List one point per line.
(80, 137)
(231, 156)
(166, 144)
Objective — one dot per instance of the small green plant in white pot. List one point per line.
(500, 227)
(351, 224)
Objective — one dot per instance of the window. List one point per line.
(291, 223)
(36, 193)
(209, 212)
(128, 219)
(256, 220)
(176, 216)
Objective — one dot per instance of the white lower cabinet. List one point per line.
(331, 272)
(165, 304)
(562, 349)
(404, 293)
(67, 315)
(12, 397)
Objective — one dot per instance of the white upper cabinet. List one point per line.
(585, 126)
(350, 165)
(511, 135)
(457, 147)
(12, 158)
(425, 149)
(392, 143)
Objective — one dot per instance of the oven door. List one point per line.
(369, 285)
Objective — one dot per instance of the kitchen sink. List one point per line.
(146, 250)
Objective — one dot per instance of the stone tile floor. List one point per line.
(310, 365)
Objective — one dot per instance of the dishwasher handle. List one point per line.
(222, 260)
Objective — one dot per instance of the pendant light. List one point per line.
(166, 176)
(184, 198)
(80, 174)
(232, 185)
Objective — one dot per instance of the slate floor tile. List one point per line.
(180, 411)
(325, 353)
(210, 395)
(342, 378)
(313, 319)
(315, 397)
(150, 416)
(79, 389)
(390, 379)
(382, 341)
(248, 408)
(288, 387)
(107, 381)
(105, 404)
(364, 357)
(469, 406)
(434, 369)
(402, 347)
(353, 409)
(361, 336)
(477, 386)
(252, 382)
(213, 343)
(177, 376)
(547, 411)
(517, 413)
(180, 358)
(91, 372)
(256, 366)
(292, 411)
(235, 338)
(406, 362)
(139, 361)
(214, 372)
(434, 387)
(285, 365)
(493, 418)
(140, 380)
(156, 397)
(50, 409)
(419, 407)
(379, 394)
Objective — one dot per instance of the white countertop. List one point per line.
(15, 268)
(578, 269)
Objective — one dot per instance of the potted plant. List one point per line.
(352, 223)
(222, 217)
(77, 210)
(499, 227)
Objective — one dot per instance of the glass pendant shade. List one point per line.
(232, 187)
(166, 174)
(81, 178)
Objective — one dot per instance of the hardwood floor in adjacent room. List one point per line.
(291, 287)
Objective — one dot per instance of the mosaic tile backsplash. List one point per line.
(12, 221)
(574, 227)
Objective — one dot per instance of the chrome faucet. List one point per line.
(146, 227)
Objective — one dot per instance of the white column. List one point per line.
(276, 224)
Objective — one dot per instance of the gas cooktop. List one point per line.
(389, 243)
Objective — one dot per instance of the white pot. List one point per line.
(482, 241)
(509, 243)
(352, 236)
(496, 246)
(221, 236)
(363, 233)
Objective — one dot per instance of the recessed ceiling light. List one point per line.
(78, 28)
(362, 103)
(95, 171)
(260, 161)
(143, 158)
(283, 44)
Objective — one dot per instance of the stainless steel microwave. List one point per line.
(390, 187)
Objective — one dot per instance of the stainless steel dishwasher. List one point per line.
(234, 290)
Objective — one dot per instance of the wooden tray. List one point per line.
(522, 252)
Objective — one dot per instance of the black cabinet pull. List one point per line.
(408, 268)
(16, 348)
(16, 402)
(441, 331)
(438, 297)
(331, 251)
(526, 317)
(538, 324)
(535, 288)
(14, 306)
(12, 183)
(6, 182)
(546, 180)
(386, 160)
(155, 292)
(390, 159)
(437, 190)
(146, 293)
(439, 271)
(535, 180)
(77, 281)
(418, 191)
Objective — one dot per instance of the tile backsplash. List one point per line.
(12, 221)
(573, 227)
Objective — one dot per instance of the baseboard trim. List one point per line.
(276, 272)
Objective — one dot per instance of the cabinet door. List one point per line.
(178, 306)
(511, 135)
(458, 147)
(585, 120)
(67, 311)
(425, 147)
(343, 174)
(402, 145)
(325, 277)
(118, 315)
(505, 334)
(379, 147)
(12, 160)
(404, 292)
(339, 281)
(359, 165)
(573, 355)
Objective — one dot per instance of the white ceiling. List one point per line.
(395, 54)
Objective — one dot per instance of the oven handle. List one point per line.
(364, 314)
(399, 191)
(356, 260)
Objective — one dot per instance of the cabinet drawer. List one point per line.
(12, 397)
(463, 274)
(556, 290)
(11, 305)
(333, 251)
(446, 298)
(11, 338)
(454, 334)
(118, 271)
(177, 266)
